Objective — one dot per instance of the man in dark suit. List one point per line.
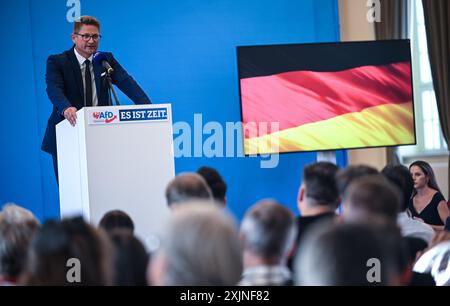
(74, 81)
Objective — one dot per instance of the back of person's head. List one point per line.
(429, 173)
(14, 213)
(215, 182)
(268, 230)
(201, 248)
(352, 173)
(371, 196)
(399, 175)
(187, 187)
(69, 242)
(320, 184)
(14, 242)
(116, 219)
(343, 255)
(130, 259)
(85, 20)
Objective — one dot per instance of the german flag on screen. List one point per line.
(326, 96)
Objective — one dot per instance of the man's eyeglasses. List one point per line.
(87, 37)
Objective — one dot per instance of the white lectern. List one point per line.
(117, 157)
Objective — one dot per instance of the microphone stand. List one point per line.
(111, 88)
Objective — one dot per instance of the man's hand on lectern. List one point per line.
(70, 114)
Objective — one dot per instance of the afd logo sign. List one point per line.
(97, 116)
(153, 114)
(105, 117)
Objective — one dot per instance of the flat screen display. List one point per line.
(326, 96)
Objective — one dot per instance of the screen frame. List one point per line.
(238, 48)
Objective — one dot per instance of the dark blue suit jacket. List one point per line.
(65, 89)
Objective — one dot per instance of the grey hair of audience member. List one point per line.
(342, 255)
(201, 248)
(15, 238)
(14, 213)
(186, 187)
(268, 230)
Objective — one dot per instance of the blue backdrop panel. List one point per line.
(20, 168)
(182, 52)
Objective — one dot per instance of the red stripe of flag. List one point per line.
(300, 97)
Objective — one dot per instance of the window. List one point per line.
(430, 140)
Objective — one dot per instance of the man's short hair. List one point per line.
(116, 219)
(186, 187)
(85, 20)
(399, 175)
(268, 229)
(215, 182)
(351, 173)
(372, 196)
(320, 183)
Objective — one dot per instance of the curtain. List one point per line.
(394, 24)
(437, 25)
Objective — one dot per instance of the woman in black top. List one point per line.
(427, 203)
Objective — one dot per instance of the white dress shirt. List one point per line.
(81, 60)
(414, 228)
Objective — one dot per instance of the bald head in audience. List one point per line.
(187, 187)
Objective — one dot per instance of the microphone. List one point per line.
(100, 58)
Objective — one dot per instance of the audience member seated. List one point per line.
(116, 219)
(201, 247)
(267, 235)
(187, 187)
(69, 252)
(374, 200)
(347, 254)
(17, 228)
(318, 198)
(427, 203)
(215, 183)
(399, 175)
(130, 259)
